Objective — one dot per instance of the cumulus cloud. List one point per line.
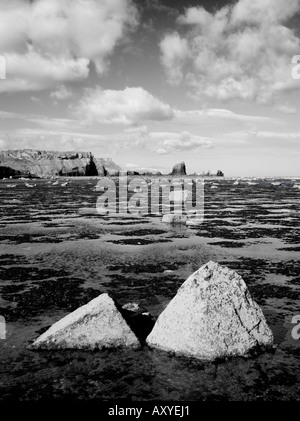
(47, 42)
(130, 106)
(242, 51)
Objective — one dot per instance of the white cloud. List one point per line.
(130, 106)
(178, 142)
(174, 53)
(163, 142)
(242, 51)
(264, 11)
(195, 16)
(47, 42)
(32, 71)
(219, 113)
(61, 93)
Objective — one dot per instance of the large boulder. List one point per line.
(96, 325)
(179, 169)
(212, 316)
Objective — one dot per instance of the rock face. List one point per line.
(179, 169)
(96, 325)
(212, 316)
(35, 163)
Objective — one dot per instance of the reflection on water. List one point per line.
(57, 253)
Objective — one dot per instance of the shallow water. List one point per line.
(55, 255)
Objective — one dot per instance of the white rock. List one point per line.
(96, 325)
(212, 316)
(172, 218)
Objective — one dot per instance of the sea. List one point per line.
(58, 253)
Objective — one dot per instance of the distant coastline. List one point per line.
(32, 163)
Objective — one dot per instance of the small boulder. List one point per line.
(96, 325)
(212, 316)
(131, 307)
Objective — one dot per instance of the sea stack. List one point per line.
(212, 316)
(96, 325)
(179, 169)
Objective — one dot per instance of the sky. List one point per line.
(150, 83)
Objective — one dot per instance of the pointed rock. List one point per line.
(96, 325)
(212, 316)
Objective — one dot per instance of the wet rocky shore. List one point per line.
(55, 257)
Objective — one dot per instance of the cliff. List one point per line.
(35, 163)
